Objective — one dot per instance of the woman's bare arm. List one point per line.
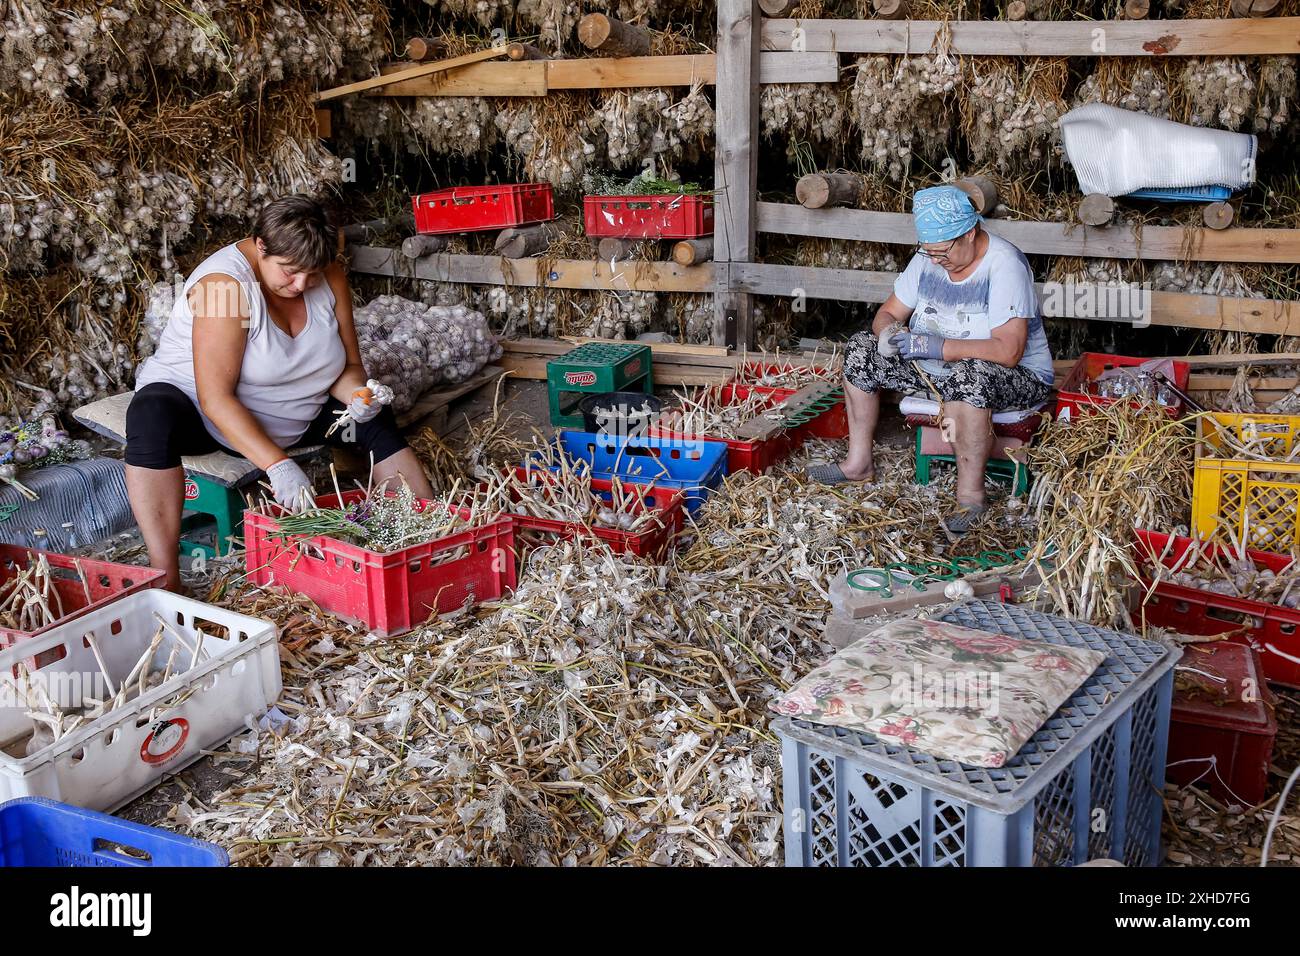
(1005, 345)
(893, 312)
(353, 375)
(220, 334)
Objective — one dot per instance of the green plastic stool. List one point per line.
(595, 368)
(1015, 475)
(225, 505)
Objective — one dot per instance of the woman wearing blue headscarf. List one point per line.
(965, 313)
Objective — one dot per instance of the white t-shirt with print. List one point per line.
(1000, 289)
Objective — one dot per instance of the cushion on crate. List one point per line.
(949, 691)
(107, 417)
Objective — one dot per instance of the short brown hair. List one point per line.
(299, 229)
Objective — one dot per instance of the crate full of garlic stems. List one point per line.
(1246, 483)
(386, 560)
(131, 692)
(1250, 597)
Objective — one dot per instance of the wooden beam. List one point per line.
(537, 77)
(563, 274)
(1060, 300)
(514, 78)
(410, 73)
(1171, 243)
(735, 166)
(1225, 37)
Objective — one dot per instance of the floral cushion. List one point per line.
(950, 691)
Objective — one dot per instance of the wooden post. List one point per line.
(613, 37)
(889, 9)
(1136, 9)
(520, 241)
(1096, 210)
(1217, 215)
(617, 249)
(1255, 8)
(324, 122)
(983, 194)
(735, 167)
(818, 190)
(1016, 10)
(778, 8)
(417, 247)
(420, 49)
(524, 51)
(688, 252)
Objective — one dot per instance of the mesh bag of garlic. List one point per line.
(412, 347)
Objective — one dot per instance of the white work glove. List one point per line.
(886, 348)
(290, 486)
(365, 404)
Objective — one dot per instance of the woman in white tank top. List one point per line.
(258, 356)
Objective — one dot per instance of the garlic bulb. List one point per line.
(899, 107)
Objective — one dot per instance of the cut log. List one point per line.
(889, 9)
(1218, 215)
(777, 8)
(983, 194)
(420, 49)
(518, 242)
(417, 247)
(610, 248)
(1016, 10)
(613, 37)
(819, 190)
(1096, 210)
(690, 251)
(1255, 8)
(1136, 9)
(525, 51)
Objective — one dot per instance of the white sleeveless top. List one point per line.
(284, 380)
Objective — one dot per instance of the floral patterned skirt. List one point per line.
(973, 381)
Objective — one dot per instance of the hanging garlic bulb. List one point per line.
(899, 107)
(802, 111)
(1220, 92)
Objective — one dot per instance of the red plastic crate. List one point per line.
(1221, 725)
(653, 543)
(1092, 364)
(1272, 630)
(832, 424)
(476, 208)
(648, 217)
(389, 593)
(756, 456)
(105, 580)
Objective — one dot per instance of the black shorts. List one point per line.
(162, 425)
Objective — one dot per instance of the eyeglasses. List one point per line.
(936, 254)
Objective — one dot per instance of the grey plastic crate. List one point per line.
(1086, 785)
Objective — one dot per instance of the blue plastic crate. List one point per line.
(1185, 194)
(35, 831)
(692, 466)
(1086, 785)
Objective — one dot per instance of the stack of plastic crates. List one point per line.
(1251, 500)
(1087, 785)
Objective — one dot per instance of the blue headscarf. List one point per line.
(942, 213)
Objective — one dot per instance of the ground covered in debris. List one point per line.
(611, 711)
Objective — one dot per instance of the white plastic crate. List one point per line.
(109, 761)
(1086, 785)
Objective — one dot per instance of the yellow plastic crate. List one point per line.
(1237, 497)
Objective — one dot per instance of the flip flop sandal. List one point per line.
(829, 475)
(963, 519)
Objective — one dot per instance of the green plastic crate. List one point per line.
(595, 368)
